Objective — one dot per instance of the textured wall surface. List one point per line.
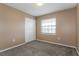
(12, 26)
(65, 27)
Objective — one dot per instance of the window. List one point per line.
(48, 26)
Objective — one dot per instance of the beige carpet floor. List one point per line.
(37, 48)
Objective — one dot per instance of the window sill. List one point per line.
(48, 33)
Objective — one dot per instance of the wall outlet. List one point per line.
(13, 40)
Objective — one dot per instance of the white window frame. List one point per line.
(48, 23)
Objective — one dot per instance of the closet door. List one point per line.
(29, 29)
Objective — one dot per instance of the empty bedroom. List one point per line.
(39, 29)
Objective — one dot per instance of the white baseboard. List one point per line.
(61, 45)
(56, 43)
(77, 50)
(15, 46)
(12, 47)
(39, 40)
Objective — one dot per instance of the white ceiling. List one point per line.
(33, 9)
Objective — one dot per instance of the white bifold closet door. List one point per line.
(30, 32)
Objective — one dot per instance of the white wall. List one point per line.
(30, 32)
